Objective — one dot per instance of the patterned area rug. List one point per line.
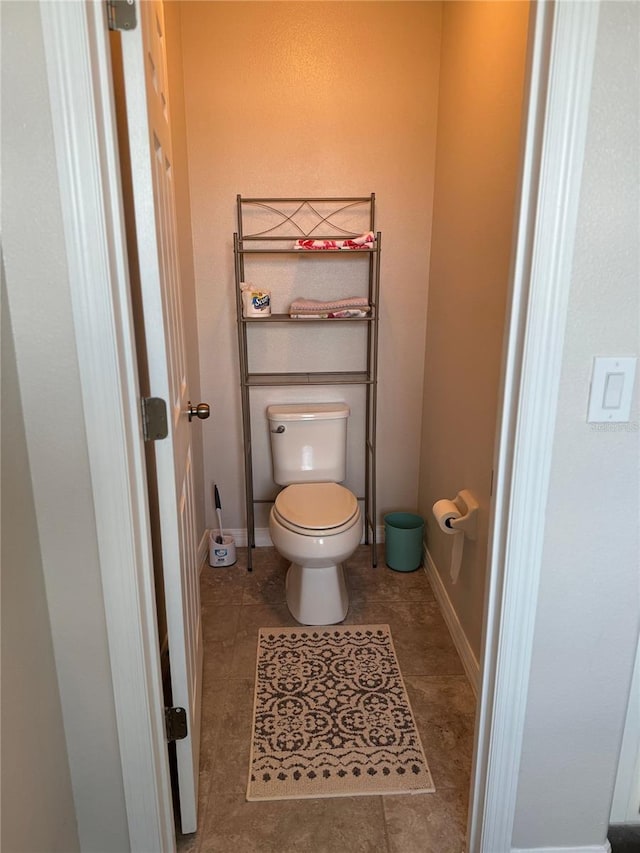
(331, 717)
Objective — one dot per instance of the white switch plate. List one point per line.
(611, 390)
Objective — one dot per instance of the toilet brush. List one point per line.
(222, 549)
(216, 495)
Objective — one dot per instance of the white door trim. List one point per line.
(79, 76)
(599, 848)
(80, 86)
(562, 50)
(626, 794)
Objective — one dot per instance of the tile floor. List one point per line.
(235, 603)
(624, 839)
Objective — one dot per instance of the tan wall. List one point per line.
(479, 117)
(321, 99)
(38, 812)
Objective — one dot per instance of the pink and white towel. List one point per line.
(351, 306)
(364, 241)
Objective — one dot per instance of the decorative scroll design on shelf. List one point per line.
(296, 218)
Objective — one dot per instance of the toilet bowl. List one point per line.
(317, 526)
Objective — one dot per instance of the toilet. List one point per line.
(315, 522)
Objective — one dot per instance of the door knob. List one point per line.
(200, 411)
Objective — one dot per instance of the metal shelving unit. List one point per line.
(270, 226)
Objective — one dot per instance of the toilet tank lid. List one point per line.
(308, 411)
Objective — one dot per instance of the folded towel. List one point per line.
(353, 312)
(364, 241)
(317, 244)
(314, 307)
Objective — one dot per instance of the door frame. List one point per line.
(78, 62)
(78, 70)
(561, 51)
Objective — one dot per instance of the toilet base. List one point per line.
(317, 596)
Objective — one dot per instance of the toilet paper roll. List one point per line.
(444, 512)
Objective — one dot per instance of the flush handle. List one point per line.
(200, 411)
(279, 429)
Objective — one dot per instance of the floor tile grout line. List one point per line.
(385, 827)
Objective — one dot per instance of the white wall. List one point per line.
(38, 813)
(588, 609)
(326, 99)
(39, 304)
(477, 170)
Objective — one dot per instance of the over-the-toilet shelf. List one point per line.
(308, 229)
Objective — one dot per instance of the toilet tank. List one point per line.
(308, 442)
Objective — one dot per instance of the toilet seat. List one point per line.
(316, 509)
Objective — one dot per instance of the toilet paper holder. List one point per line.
(468, 507)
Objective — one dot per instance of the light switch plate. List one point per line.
(611, 389)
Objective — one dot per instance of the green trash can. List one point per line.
(403, 533)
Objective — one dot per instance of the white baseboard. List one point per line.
(467, 656)
(593, 848)
(263, 539)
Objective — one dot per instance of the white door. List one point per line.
(147, 103)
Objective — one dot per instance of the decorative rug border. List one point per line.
(349, 793)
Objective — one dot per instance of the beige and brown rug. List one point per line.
(331, 717)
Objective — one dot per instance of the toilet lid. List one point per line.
(312, 507)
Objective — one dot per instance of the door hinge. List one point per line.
(154, 418)
(121, 14)
(175, 723)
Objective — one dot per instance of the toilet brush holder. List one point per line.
(221, 553)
